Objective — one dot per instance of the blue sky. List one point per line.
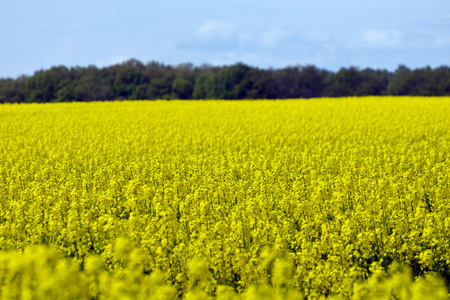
(265, 33)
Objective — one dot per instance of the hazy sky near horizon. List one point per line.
(262, 33)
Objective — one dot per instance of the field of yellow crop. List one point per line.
(329, 198)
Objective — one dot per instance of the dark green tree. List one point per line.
(182, 88)
(227, 82)
(134, 80)
(130, 81)
(299, 82)
(90, 88)
(258, 84)
(439, 81)
(311, 82)
(401, 82)
(12, 91)
(44, 85)
(204, 86)
(161, 88)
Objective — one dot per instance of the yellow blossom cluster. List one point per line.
(330, 198)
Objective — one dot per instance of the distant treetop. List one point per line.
(134, 80)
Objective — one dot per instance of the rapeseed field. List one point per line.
(343, 198)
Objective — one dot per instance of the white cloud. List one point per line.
(428, 38)
(212, 35)
(381, 38)
(231, 57)
(441, 41)
(112, 60)
(329, 49)
(272, 37)
(214, 28)
(374, 38)
(217, 36)
(324, 55)
(317, 35)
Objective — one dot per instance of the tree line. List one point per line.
(134, 80)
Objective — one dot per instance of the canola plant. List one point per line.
(291, 199)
